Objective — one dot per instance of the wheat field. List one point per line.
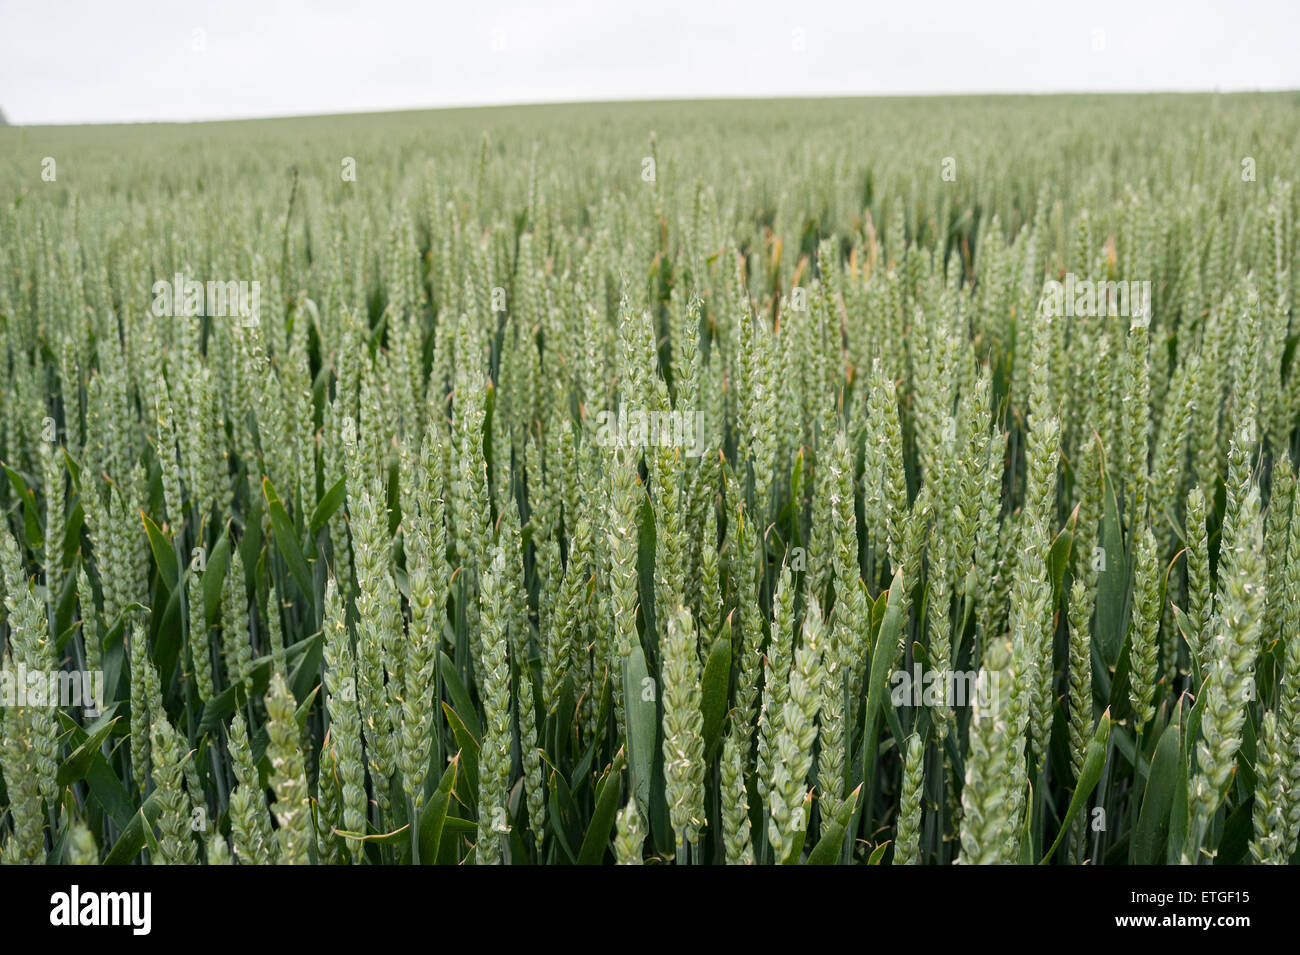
(896, 481)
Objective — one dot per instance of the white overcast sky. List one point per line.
(91, 61)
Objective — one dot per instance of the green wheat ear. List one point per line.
(630, 841)
(795, 740)
(988, 831)
(1230, 682)
(494, 757)
(288, 776)
(735, 814)
(683, 746)
(1143, 631)
(907, 834)
(81, 846)
(176, 844)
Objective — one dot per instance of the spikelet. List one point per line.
(81, 846)
(738, 843)
(629, 843)
(345, 718)
(1199, 593)
(1230, 681)
(1145, 624)
(494, 757)
(846, 659)
(1269, 845)
(908, 831)
(256, 840)
(235, 639)
(198, 637)
(26, 844)
(683, 746)
(792, 753)
(989, 830)
(176, 845)
(377, 613)
(288, 776)
(1079, 614)
(776, 684)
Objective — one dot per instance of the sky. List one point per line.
(89, 61)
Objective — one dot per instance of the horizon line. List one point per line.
(641, 100)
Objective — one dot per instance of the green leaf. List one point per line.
(714, 685)
(602, 819)
(1184, 625)
(330, 503)
(72, 532)
(831, 844)
(1028, 845)
(74, 470)
(1118, 699)
(1235, 841)
(456, 824)
(1179, 812)
(73, 769)
(166, 632)
(882, 662)
(434, 815)
(469, 747)
(164, 553)
(1162, 780)
(642, 721)
(459, 697)
(286, 540)
(214, 573)
(107, 790)
(150, 840)
(827, 850)
(31, 518)
(1058, 557)
(1094, 760)
(560, 798)
(136, 832)
(217, 709)
(66, 635)
(395, 838)
(645, 563)
(1112, 584)
(305, 677)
